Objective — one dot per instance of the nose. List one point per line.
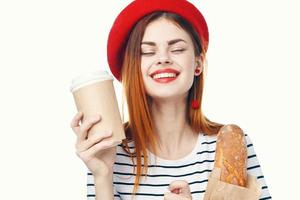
(163, 59)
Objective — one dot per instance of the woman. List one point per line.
(157, 50)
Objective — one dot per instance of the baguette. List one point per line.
(231, 155)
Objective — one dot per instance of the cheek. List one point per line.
(145, 63)
(188, 79)
(189, 72)
(187, 60)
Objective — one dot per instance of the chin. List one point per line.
(167, 95)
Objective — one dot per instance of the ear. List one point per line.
(200, 59)
(198, 65)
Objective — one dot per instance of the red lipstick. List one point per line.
(167, 70)
(165, 79)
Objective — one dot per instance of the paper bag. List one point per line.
(218, 190)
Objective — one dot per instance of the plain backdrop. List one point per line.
(252, 80)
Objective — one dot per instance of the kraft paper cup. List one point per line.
(94, 94)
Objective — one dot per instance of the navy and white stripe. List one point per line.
(194, 168)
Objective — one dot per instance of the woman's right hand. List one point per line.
(97, 154)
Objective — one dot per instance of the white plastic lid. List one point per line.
(89, 78)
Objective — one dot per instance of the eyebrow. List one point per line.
(169, 42)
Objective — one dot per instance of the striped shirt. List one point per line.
(194, 168)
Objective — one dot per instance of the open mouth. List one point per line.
(164, 77)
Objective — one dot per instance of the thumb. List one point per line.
(181, 186)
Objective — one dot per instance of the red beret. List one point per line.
(136, 10)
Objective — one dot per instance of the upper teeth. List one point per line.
(164, 75)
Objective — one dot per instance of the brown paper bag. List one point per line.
(218, 190)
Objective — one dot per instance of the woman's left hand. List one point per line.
(180, 190)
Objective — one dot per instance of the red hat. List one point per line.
(136, 10)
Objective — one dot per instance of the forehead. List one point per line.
(163, 30)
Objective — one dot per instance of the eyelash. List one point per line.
(146, 53)
(178, 50)
(151, 53)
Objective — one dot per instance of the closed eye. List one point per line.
(152, 53)
(147, 53)
(178, 50)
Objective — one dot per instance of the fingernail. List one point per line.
(108, 132)
(176, 191)
(117, 143)
(97, 117)
(99, 133)
(104, 133)
(79, 115)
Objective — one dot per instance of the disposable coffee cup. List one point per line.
(94, 94)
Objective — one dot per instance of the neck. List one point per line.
(173, 133)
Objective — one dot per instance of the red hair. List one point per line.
(140, 127)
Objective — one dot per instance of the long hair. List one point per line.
(140, 126)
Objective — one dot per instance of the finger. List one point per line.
(172, 196)
(92, 151)
(176, 191)
(86, 125)
(181, 185)
(94, 139)
(75, 121)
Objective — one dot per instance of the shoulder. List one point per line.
(228, 128)
(237, 129)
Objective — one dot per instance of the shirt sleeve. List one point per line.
(91, 194)
(254, 169)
